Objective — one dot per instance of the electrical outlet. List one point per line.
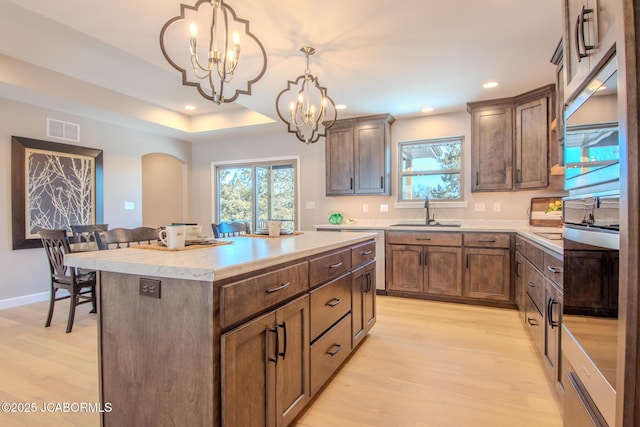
(365, 208)
(479, 207)
(496, 207)
(149, 288)
(384, 207)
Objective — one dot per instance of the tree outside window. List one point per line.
(431, 168)
(257, 193)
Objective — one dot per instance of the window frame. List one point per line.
(252, 164)
(402, 174)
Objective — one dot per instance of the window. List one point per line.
(430, 166)
(257, 192)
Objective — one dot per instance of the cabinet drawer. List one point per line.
(531, 252)
(534, 323)
(328, 353)
(329, 266)
(554, 268)
(329, 303)
(422, 238)
(487, 240)
(363, 253)
(534, 284)
(240, 300)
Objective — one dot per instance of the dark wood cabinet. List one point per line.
(532, 141)
(269, 377)
(491, 146)
(431, 265)
(436, 265)
(510, 141)
(358, 156)
(487, 258)
(363, 302)
(540, 274)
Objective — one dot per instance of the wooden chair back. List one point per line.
(126, 237)
(86, 233)
(230, 228)
(80, 284)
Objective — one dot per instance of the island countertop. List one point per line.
(243, 255)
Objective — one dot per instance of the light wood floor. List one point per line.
(423, 364)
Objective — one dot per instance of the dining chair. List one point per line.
(80, 284)
(125, 237)
(86, 233)
(229, 229)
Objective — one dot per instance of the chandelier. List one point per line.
(213, 71)
(310, 112)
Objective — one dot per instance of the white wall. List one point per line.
(25, 272)
(269, 141)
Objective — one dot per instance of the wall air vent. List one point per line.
(63, 130)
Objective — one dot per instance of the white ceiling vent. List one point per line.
(63, 130)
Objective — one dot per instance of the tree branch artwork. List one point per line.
(59, 190)
(53, 186)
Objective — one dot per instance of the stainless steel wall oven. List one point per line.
(591, 242)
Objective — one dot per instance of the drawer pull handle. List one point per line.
(531, 284)
(334, 302)
(532, 322)
(337, 347)
(279, 288)
(423, 238)
(487, 241)
(336, 265)
(366, 252)
(554, 270)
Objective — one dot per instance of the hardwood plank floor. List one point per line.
(424, 364)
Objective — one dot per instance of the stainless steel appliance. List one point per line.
(591, 216)
(591, 147)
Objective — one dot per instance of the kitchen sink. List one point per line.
(433, 224)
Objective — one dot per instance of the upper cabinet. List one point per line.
(588, 37)
(491, 145)
(510, 141)
(358, 156)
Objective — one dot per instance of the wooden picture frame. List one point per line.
(53, 185)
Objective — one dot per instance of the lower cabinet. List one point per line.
(435, 270)
(539, 296)
(363, 302)
(329, 351)
(487, 275)
(272, 390)
(451, 266)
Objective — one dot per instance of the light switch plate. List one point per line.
(129, 206)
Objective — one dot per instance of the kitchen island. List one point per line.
(238, 334)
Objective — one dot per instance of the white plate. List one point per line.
(199, 241)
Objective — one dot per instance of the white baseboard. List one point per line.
(24, 300)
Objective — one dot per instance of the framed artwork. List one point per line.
(53, 186)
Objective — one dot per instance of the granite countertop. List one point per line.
(521, 227)
(243, 255)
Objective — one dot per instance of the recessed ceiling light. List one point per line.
(340, 107)
(489, 85)
(427, 109)
(189, 107)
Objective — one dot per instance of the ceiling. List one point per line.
(102, 59)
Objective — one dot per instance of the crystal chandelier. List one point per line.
(214, 71)
(310, 111)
